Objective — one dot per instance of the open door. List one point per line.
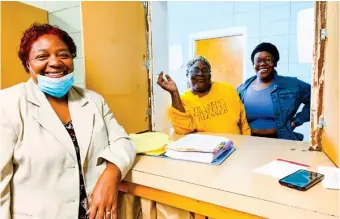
(224, 49)
(325, 87)
(16, 17)
(225, 55)
(115, 46)
(330, 132)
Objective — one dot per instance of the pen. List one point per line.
(292, 162)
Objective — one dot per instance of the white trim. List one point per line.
(234, 31)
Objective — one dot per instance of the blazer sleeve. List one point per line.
(121, 151)
(8, 141)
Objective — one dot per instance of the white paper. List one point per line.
(175, 57)
(192, 156)
(305, 35)
(332, 177)
(279, 169)
(197, 142)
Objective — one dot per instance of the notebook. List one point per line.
(199, 148)
(332, 177)
(216, 162)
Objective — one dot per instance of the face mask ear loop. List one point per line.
(30, 68)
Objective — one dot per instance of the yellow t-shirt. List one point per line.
(220, 111)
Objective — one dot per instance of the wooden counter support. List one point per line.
(198, 216)
(201, 209)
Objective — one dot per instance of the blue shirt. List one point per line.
(287, 95)
(259, 108)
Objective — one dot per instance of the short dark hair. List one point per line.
(37, 30)
(267, 47)
(196, 59)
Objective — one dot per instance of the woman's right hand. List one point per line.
(168, 85)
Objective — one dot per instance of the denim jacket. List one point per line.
(287, 95)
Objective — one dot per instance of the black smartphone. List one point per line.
(301, 180)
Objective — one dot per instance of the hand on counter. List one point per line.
(104, 198)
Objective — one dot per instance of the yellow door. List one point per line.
(115, 48)
(16, 17)
(330, 132)
(225, 55)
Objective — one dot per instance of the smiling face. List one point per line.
(264, 65)
(49, 56)
(199, 77)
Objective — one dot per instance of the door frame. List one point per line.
(218, 33)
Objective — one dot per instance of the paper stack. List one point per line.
(150, 143)
(198, 147)
(332, 177)
(280, 168)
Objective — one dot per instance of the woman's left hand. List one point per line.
(105, 194)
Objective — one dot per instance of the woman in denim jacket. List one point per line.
(271, 101)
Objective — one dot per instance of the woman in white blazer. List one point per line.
(63, 153)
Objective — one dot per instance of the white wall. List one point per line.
(67, 16)
(265, 21)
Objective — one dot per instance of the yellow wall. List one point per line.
(330, 134)
(15, 18)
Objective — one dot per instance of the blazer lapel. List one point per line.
(82, 116)
(47, 118)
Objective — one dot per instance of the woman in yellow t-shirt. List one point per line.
(206, 106)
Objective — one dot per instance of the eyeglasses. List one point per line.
(267, 60)
(196, 71)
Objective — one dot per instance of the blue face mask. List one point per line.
(56, 87)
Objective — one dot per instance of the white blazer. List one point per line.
(39, 171)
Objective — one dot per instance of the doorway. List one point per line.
(225, 50)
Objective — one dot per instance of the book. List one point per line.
(199, 148)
